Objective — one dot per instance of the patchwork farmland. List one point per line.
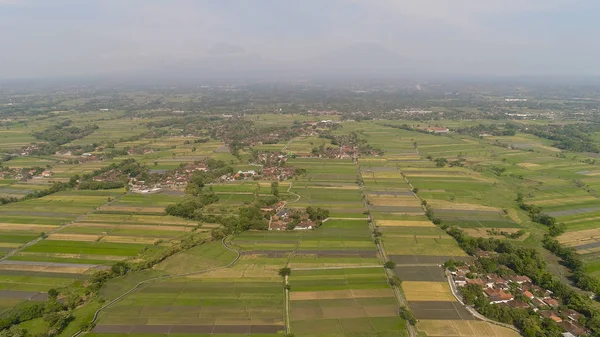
(184, 246)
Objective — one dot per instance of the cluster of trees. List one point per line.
(56, 314)
(198, 195)
(491, 129)
(574, 262)
(63, 133)
(8, 200)
(529, 262)
(572, 137)
(514, 235)
(525, 320)
(536, 214)
(128, 168)
(317, 214)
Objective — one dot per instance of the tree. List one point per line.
(390, 265)
(440, 162)
(53, 293)
(275, 188)
(285, 271)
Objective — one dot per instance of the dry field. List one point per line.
(404, 223)
(440, 204)
(427, 291)
(580, 237)
(435, 328)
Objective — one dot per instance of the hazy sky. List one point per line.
(487, 37)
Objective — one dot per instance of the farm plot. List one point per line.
(25, 221)
(142, 203)
(196, 306)
(335, 243)
(343, 301)
(452, 328)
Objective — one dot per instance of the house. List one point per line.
(551, 302)
(498, 295)
(572, 314)
(528, 294)
(552, 315)
(477, 281)
(47, 174)
(573, 328)
(460, 281)
(538, 303)
(519, 279)
(438, 130)
(495, 281)
(484, 134)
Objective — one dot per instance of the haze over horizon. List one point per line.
(311, 37)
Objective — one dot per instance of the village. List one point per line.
(518, 292)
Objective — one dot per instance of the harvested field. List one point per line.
(404, 223)
(439, 310)
(420, 273)
(458, 328)
(426, 259)
(580, 237)
(441, 204)
(139, 227)
(188, 329)
(128, 239)
(427, 291)
(338, 294)
(49, 267)
(73, 237)
(26, 227)
(528, 165)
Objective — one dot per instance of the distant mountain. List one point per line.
(361, 59)
(227, 62)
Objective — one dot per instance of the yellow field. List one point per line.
(439, 328)
(528, 165)
(46, 269)
(404, 223)
(441, 204)
(26, 227)
(74, 237)
(580, 237)
(394, 201)
(427, 291)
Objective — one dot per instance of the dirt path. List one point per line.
(164, 277)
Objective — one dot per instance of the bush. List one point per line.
(285, 271)
(390, 265)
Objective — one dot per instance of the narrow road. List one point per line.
(164, 277)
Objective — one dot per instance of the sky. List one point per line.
(49, 38)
